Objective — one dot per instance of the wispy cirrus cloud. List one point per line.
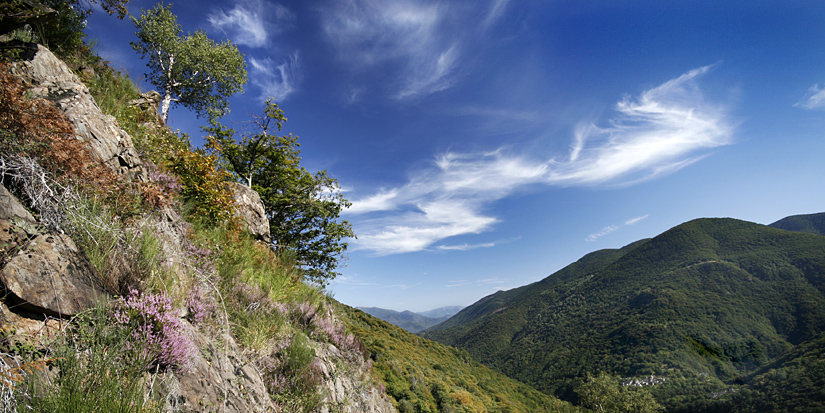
(496, 11)
(814, 99)
(420, 43)
(613, 228)
(251, 22)
(276, 80)
(465, 247)
(661, 131)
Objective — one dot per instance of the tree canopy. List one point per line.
(303, 208)
(190, 70)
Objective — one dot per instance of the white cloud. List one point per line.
(419, 43)
(251, 22)
(497, 8)
(355, 282)
(379, 202)
(636, 220)
(613, 228)
(665, 129)
(606, 230)
(815, 98)
(434, 221)
(465, 247)
(277, 81)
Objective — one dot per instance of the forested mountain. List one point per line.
(811, 223)
(700, 307)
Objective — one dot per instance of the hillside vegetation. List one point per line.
(699, 307)
(425, 376)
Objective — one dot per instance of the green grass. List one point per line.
(93, 373)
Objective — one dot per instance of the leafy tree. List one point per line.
(190, 70)
(303, 208)
(57, 24)
(604, 394)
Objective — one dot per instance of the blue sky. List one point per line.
(487, 144)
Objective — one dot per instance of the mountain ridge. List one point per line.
(701, 304)
(810, 223)
(411, 321)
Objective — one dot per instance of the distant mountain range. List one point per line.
(727, 315)
(410, 321)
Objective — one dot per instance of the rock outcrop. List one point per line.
(218, 380)
(148, 101)
(45, 278)
(348, 386)
(12, 210)
(48, 77)
(48, 275)
(42, 273)
(250, 209)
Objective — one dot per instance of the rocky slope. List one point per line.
(47, 279)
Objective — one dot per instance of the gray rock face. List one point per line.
(351, 390)
(46, 274)
(251, 211)
(149, 101)
(12, 210)
(42, 273)
(218, 382)
(48, 77)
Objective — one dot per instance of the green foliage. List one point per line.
(189, 70)
(63, 32)
(794, 382)
(701, 305)
(604, 393)
(424, 376)
(303, 208)
(61, 29)
(125, 257)
(94, 373)
(113, 91)
(241, 259)
(205, 186)
(299, 392)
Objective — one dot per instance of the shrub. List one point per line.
(292, 374)
(205, 186)
(256, 319)
(200, 304)
(159, 337)
(93, 373)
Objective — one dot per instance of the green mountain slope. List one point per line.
(501, 300)
(425, 376)
(794, 382)
(811, 223)
(703, 303)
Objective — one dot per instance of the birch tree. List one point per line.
(190, 70)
